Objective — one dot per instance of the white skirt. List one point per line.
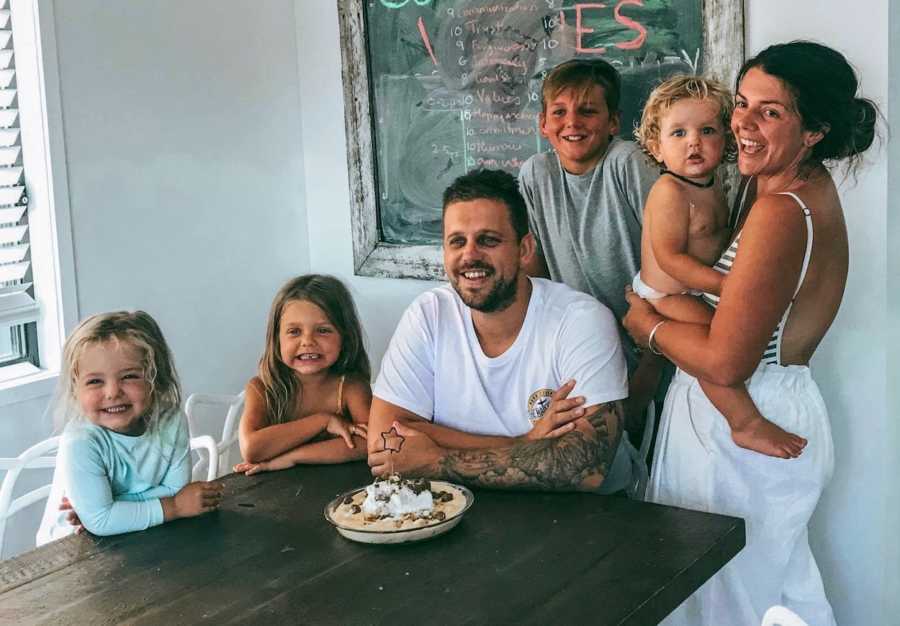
(698, 466)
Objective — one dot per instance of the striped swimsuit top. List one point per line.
(772, 354)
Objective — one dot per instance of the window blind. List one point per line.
(17, 303)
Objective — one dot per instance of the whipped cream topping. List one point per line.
(395, 497)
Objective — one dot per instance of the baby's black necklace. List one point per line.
(706, 185)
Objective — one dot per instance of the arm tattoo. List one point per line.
(577, 461)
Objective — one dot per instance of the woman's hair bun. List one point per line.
(862, 132)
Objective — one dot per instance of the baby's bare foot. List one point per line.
(761, 435)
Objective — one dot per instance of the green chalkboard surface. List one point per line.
(455, 84)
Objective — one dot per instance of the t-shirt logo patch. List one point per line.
(538, 403)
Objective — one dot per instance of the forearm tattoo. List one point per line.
(577, 461)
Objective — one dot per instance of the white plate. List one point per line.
(400, 535)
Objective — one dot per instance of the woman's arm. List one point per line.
(260, 441)
(756, 294)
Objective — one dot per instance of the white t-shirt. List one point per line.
(435, 367)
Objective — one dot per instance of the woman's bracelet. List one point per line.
(650, 338)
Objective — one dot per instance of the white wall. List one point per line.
(185, 165)
(891, 462)
(381, 301)
(850, 523)
(184, 155)
(850, 364)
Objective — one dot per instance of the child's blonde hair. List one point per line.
(679, 88)
(280, 383)
(138, 330)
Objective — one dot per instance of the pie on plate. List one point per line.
(396, 510)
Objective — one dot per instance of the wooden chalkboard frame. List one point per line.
(723, 54)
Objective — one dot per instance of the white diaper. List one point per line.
(644, 290)
(649, 293)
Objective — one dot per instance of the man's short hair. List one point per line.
(581, 76)
(490, 185)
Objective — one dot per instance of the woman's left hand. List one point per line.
(640, 318)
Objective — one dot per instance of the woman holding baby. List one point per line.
(796, 110)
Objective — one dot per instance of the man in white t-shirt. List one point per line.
(477, 378)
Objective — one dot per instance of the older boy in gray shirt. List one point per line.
(586, 198)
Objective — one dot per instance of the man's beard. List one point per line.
(497, 299)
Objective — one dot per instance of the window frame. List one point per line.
(46, 178)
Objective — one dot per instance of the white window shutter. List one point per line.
(17, 304)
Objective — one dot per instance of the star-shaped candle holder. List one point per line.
(393, 440)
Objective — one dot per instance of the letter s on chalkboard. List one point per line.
(638, 41)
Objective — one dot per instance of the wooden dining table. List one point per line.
(269, 556)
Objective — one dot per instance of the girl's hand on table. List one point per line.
(640, 318)
(345, 429)
(280, 462)
(359, 430)
(250, 469)
(71, 516)
(197, 498)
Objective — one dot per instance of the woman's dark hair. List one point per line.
(824, 87)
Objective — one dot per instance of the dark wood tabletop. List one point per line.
(269, 556)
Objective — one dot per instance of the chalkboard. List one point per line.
(434, 88)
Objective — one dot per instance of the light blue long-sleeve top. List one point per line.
(115, 481)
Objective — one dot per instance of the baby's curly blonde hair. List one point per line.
(678, 88)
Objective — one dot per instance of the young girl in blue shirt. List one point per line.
(124, 458)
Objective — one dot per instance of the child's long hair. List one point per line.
(279, 381)
(138, 330)
(679, 88)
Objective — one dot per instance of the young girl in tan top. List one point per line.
(310, 401)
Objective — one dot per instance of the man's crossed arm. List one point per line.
(575, 454)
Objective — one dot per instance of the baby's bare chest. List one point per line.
(708, 230)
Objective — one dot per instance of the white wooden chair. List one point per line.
(640, 472)
(782, 616)
(207, 443)
(231, 408)
(39, 456)
(644, 450)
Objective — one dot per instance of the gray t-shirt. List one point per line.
(588, 227)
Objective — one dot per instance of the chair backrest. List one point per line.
(39, 456)
(232, 406)
(649, 426)
(205, 442)
(640, 462)
(782, 616)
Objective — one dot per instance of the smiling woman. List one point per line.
(796, 108)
